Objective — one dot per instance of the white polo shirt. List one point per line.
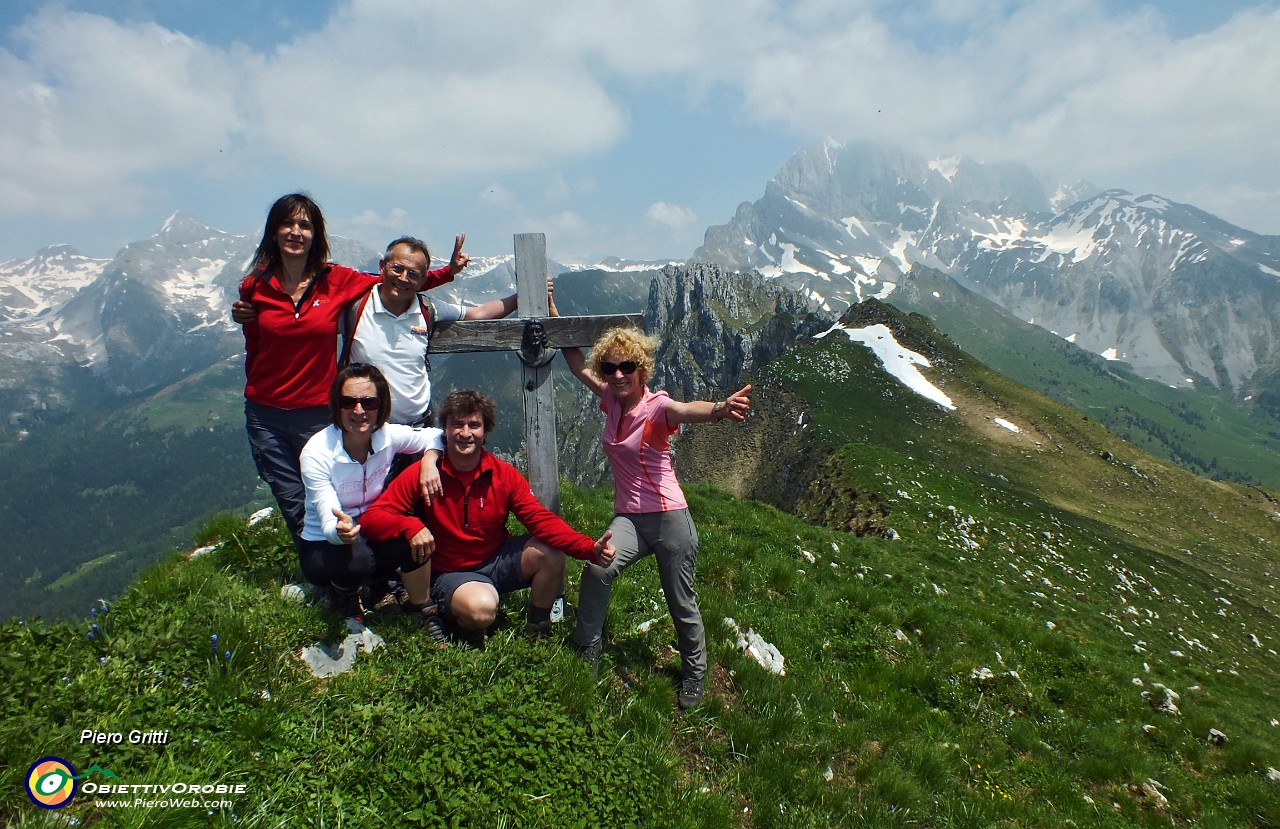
(398, 346)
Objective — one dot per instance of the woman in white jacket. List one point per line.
(344, 469)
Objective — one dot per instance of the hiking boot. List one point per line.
(470, 638)
(391, 599)
(434, 627)
(345, 602)
(533, 631)
(690, 693)
(591, 655)
(428, 616)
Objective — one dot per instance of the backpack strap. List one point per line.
(429, 314)
(347, 322)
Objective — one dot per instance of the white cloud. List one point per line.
(672, 216)
(375, 229)
(404, 100)
(496, 197)
(94, 106)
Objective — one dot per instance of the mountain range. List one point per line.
(1176, 293)
(1169, 291)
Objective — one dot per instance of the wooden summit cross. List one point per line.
(534, 336)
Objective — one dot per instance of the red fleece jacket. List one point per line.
(469, 523)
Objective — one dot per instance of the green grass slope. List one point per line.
(1050, 628)
(1201, 428)
(98, 494)
(927, 683)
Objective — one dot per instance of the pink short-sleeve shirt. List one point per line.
(639, 448)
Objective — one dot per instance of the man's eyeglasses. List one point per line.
(402, 270)
(627, 367)
(370, 404)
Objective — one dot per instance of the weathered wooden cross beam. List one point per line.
(533, 335)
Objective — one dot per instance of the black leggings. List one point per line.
(350, 565)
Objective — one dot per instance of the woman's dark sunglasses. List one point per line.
(627, 367)
(370, 404)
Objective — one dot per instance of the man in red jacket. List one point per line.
(463, 531)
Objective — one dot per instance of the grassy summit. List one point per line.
(927, 681)
(1064, 631)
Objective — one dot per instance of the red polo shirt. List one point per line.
(291, 351)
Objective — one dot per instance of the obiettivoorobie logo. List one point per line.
(51, 782)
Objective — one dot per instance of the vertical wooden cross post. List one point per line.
(534, 335)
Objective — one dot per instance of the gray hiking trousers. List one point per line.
(672, 540)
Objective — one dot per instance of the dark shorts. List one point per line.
(352, 565)
(502, 572)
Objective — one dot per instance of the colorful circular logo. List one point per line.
(51, 782)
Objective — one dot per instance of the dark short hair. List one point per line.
(267, 257)
(412, 243)
(360, 371)
(469, 401)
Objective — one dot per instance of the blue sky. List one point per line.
(619, 129)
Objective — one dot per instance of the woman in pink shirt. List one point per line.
(651, 516)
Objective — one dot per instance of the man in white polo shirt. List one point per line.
(392, 333)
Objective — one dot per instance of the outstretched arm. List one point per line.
(576, 360)
(492, 310)
(734, 407)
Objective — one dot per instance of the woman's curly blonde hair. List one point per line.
(624, 344)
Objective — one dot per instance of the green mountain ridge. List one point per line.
(1046, 627)
(1201, 428)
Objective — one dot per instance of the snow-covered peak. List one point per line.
(39, 283)
(184, 227)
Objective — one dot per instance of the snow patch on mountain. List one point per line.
(43, 282)
(897, 360)
(197, 287)
(1074, 239)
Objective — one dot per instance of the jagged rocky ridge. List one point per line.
(717, 330)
